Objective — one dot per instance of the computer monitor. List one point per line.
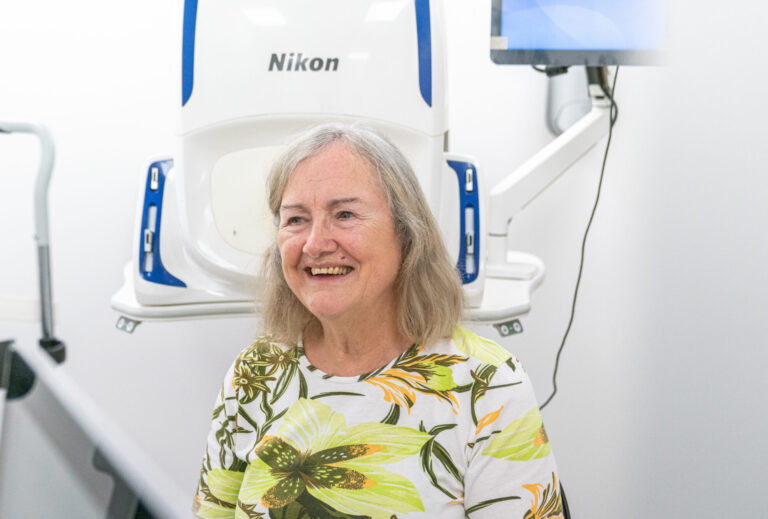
(560, 33)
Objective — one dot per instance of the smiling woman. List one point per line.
(361, 311)
(384, 192)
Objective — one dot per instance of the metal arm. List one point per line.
(44, 171)
(527, 182)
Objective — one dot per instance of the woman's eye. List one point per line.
(293, 220)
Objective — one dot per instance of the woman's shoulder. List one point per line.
(475, 358)
(266, 350)
(265, 343)
(477, 349)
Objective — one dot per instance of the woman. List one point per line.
(365, 398)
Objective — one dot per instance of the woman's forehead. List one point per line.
(336, 171)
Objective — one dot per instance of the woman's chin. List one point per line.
(330, 318)
(329, 311)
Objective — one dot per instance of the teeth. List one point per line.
(330, 271)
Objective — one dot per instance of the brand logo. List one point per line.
(298, 62)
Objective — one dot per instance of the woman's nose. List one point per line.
(320, 240)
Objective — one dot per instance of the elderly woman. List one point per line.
(364, 398)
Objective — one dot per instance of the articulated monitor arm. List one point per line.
(527, 182)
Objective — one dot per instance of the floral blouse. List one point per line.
(451, 431)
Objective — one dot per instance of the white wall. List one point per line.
(104, 76)
(660, 403)
(659, 409)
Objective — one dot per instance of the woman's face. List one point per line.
(337, 239)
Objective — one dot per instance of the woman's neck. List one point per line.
(350, 350)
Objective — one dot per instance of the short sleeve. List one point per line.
(222, 472)
(511, 470)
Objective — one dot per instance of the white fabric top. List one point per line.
(450, 430)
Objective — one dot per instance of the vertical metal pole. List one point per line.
(43, 258)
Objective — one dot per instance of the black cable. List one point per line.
(550, 70)
(614, 114)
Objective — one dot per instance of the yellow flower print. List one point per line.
(217, 494)
(522, 440)
(412, 373)
(395, 390)
(487, 420)
(258, 364)
(546, 505)
(487, 352)
(315, 461)
(249, 384)
(264, 353)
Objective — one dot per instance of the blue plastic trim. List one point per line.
(188, 50)
(424, 34)
(158, 274)
(472, 200)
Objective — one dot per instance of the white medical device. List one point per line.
(254, 73)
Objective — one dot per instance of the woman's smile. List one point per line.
(328, 271)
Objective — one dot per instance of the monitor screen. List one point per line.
(577, 32)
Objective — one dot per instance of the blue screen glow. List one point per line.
(582, 24)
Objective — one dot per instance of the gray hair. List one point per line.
(427, 287)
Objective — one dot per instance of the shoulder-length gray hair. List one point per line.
(427, 287)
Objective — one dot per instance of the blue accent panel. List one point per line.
(424, 34)
(157, 274)
(188, 50)
(467, 199)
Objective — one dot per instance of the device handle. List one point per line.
(44, 170)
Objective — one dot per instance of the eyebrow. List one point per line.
(330, 205)
(293, 206)
(341, 201)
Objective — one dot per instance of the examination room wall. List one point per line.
(660, 408)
